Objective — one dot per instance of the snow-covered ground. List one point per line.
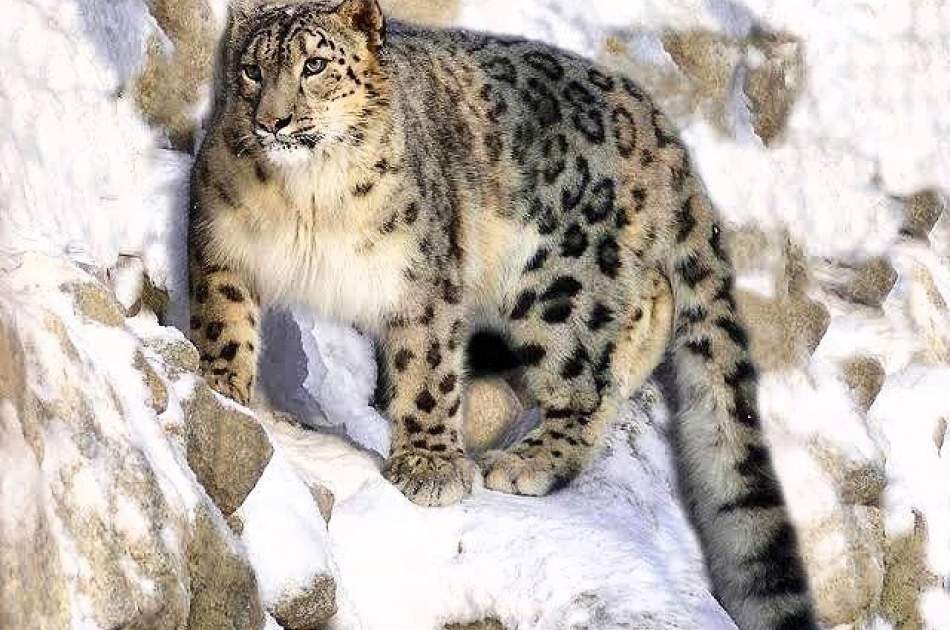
(84, 180)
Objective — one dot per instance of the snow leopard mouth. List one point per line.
(298, 140)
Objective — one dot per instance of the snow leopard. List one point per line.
(430, 187)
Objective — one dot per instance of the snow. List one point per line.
(284, 534)
(522, 559)
(82, 177)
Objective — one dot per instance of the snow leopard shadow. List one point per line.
(283, 367)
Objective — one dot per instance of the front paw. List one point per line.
(534, 473)
(430, 479)
(236, 386)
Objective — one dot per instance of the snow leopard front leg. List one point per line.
(225, 311)
(421, 361)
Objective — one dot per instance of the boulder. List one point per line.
(774, 80)
(844, 553)
(864, 376)
(921, 212)
(223, 584)
(308, 608)
(226, 447)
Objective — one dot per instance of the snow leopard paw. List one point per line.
(430, 479)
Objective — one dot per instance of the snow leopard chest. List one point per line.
(342, 276)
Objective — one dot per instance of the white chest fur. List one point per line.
(303, 243)
(336, 274)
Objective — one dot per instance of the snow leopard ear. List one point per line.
(364, 16)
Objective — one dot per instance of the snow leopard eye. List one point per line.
(251, 71)
(313, 66)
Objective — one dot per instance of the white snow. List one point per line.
(526, 560)
(284, 534)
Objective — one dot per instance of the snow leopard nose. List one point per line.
(272, 124)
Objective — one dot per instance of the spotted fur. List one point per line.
(440, 188)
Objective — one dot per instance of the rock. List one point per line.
(155, 299)
(929, 317)
(773, 81)
(226, 448)
(309, 608)
(491, 409)
(906, 576)
(223, 587)
(940, 434)
(176, 78)
(862, 485)
(428, 12)
(156, 387)
(134, 289)
(324, 499)
(750, 249)
(709, 59)
(235, 522)
(857, 483)
(867, 283)
(709, 62)
(785, 324)
(33, 588)
(921, 212)
(864, 377)
(177, 355)
(83, 494)
(488, 623)
(843, 553)
(96, 302)
(783, 331)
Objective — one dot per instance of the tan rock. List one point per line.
(929, 316)
(223, 586)
(428, 12)
(706, 57)
(155, 299)
(709, 61)
(921, 212)
(491, 408)
(783, 331)
(310, 608)
(32, 587)
(750, 249)
(844, 558)
(100, 491)
(173, 82)
(235, 522)
(857, 483)
(324, 499)
(773, 82)
(178, 356)
(868, 282)
(124, 279)
(865, 378)
(226, 448)
(906, 577)
(863, 485)
(156, 387)
(96, 302)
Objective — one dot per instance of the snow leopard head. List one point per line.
(302, 77)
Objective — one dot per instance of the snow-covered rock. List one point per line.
(103, 522)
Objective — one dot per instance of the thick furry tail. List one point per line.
(726, 471)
